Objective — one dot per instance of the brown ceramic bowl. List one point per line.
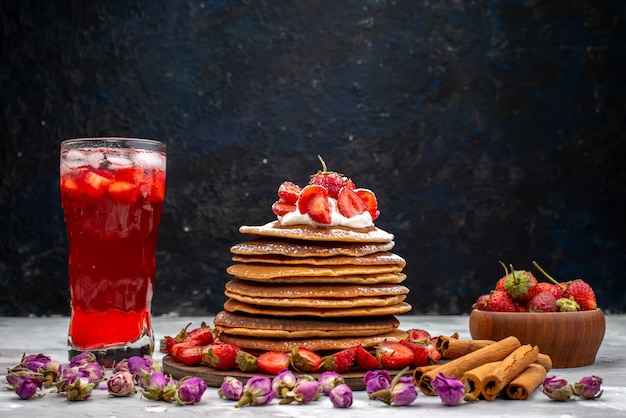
(571, 339)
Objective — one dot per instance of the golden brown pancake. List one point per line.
(315, 344)
(302, 327)
(311, 233)
(297, 291)
(296, 248)
(318, 303)
(323, 280)
(233, 305)
(381, 258)
(258, 271)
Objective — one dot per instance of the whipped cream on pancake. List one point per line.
(361, 220)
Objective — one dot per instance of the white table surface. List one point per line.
(47, 336)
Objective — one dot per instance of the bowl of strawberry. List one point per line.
(561, 318)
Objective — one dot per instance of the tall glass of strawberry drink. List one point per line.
(112, 192)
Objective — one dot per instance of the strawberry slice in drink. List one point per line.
(96, 182)
(123, 192)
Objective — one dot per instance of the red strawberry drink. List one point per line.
(112, 192)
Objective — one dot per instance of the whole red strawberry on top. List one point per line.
(332, 181)
(315, 198)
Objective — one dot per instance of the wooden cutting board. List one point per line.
(214, 378)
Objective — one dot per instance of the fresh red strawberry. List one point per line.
(220, 356)
(314, 202)
(424, 352)
(340, 361)
(289, 192)
(582, 293)
(555, 289)
(190, 355)
(482, 301)
(170, 341)
(200, 336)
(364, 359)
(394, 355)
(416, 335)
(500, 283)
(282, 208)
(177, 350)
(123, 192)
(349, 203)
(247, 362)
(304, 360)
(330, 180)
(371, 204)
(500, 301)
(273, 361)
(520, 284)
(542, 302)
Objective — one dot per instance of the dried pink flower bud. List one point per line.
(330, 380)
(121, 384)
(26, 386)
(557, 389)
(190, 390)
(231, 389)
(588, 387)
(449, 389)
(257, 392)
(341, 396)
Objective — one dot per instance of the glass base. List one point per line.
(108, 357)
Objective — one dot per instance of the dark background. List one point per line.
(489, 130)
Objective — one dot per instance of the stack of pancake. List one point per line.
(321, 288)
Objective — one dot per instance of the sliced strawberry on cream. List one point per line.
(349, 203)
(371, 203)
(314, 202)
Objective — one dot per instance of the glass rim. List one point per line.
(115, 142)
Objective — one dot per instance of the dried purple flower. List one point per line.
(93, 371)
(34, 362)
(231, 389)
(376, 380)
(330, 380)
(306, 390)
(257, 392)
(26, 386)
(82, 358)
(121, 384)
(341, 396)
(51, 372)
(190, 390)
(449, 389)
(79, 389)
(283, 382)
(588, 387)
(401, 391)
(158, 387)
(557, 389)
(137, 365)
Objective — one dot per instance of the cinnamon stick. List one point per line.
(474, 378)
(545, 361)
(525, 384)
(419, 371)
(508, 369)
(454, 348)
(457, 367)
